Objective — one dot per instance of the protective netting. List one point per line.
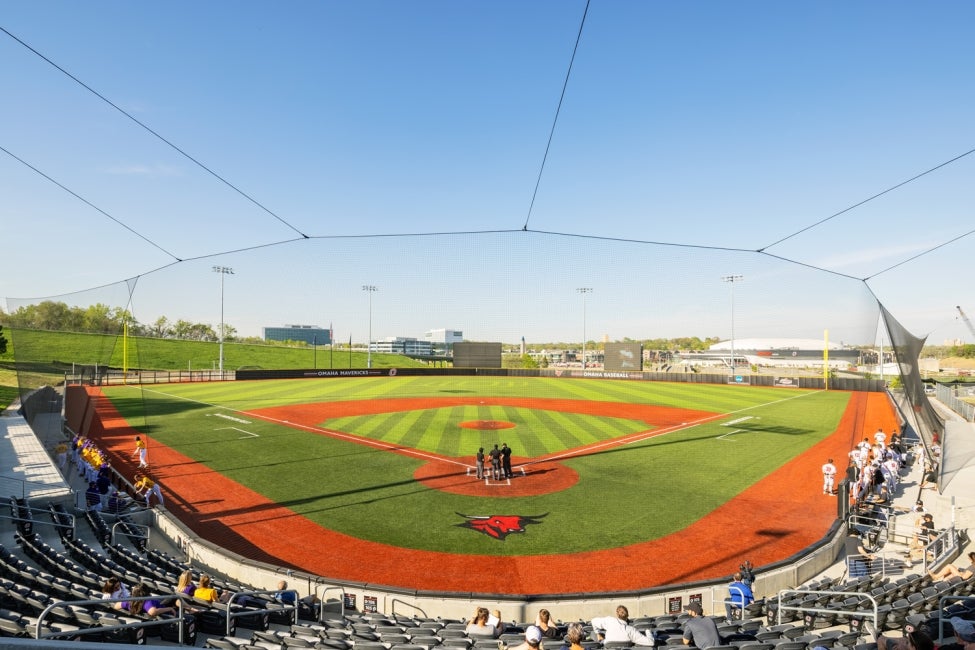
(918, 412)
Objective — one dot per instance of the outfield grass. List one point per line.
(625, 494)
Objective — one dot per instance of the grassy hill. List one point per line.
(42, 357)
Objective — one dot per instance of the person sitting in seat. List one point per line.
(152, 607)
(618, 629)
(700, 630)
(912, 640)
(207, 592)
(952, 571)
(308, 605)
(533, 639)
(544, 622)
(574, 636)
(113, 588)
(739, 596)
(479, 626)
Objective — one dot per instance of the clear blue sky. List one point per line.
(699, 125)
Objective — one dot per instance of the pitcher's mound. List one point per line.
(488, 425)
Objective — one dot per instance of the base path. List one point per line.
(770, 521)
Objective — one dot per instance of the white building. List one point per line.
(442, 340)
(401, 345)
(797, 353)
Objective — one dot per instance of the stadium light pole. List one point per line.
(584, 291)
(370, 289)
(732, 279)
(223, 271)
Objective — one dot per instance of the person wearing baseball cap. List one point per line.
(700, 630)
(533, 639)
(964, 632)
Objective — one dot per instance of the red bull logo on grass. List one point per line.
(499, 526)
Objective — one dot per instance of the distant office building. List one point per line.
(310, 334)
(402, 345)
(442, 340)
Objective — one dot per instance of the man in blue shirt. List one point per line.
(739, 595)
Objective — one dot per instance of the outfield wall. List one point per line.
(814, 383)
(781, 381)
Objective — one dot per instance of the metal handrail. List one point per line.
(42, 521)
(412, 605)
(941, 613)
(230, 614)
(63, 604)
(321, 599)
(130, 523)
(819, 610)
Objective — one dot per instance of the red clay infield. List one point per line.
(773, 519)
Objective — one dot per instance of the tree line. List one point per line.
(55, 316)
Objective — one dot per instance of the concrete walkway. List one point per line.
(27, 469)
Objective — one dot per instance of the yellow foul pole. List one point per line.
(125, 351)
(826, 358)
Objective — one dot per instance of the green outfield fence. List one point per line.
(114, 377)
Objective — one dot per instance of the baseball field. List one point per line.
(373, 479)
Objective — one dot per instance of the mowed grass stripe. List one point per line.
(422, 435)
(400, 428)
(554, 423)
(441, 421)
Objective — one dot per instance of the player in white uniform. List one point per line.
(829, 477)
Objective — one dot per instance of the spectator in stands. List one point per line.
(924, 533)
(913, 639)
(739, 596)
(929, 480)
(207, 592)
(151, 607)
(952, 571)
(185, 586)
(533, 639)
(574, 636)
(611, 629)
(700, 630)
(115, 589)
(964, 632)
(185, 583)
(544, 622)
(93, 498)
(478, 624)
(285, 596)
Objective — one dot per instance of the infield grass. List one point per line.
(625, 494)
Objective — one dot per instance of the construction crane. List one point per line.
(971, 328)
